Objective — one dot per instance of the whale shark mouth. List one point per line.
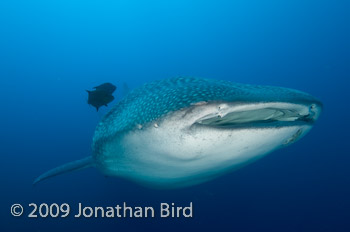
(262, 115)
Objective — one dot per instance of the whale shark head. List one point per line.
(184, 131)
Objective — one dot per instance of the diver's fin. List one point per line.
(72, 166)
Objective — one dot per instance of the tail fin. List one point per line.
(72, 166)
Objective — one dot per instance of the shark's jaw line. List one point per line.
(238, 115)
(206, 139)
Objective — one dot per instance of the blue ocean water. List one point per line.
(52, 51)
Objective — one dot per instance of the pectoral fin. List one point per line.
(72, 166)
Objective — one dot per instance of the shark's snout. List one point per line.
(315, 110)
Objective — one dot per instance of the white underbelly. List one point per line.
(177, 158)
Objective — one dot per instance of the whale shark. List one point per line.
(184, 131)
